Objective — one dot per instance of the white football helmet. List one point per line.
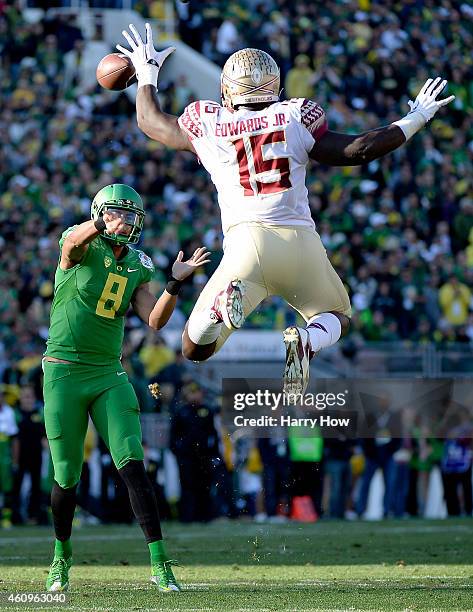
(249, 76)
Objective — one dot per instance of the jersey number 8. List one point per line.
(112, 296)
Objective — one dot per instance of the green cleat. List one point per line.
(162, 575)
(58, 577)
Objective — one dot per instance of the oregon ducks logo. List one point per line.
(107, 261)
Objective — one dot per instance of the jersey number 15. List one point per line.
(278, 181)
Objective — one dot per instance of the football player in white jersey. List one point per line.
(256, 149)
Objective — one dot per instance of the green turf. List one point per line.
(228, 566)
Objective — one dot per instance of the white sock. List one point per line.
(324, 330)
(202, 329)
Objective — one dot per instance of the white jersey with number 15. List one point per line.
(257, 159)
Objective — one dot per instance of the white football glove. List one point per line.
(426, 103)
(424, 107)
(146, 60)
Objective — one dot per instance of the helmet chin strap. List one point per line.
(113, 240)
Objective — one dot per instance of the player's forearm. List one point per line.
(375, 144)
(346, 150)
(155, 123)
(162, 310)
(76, 242)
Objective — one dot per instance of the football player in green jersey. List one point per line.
(98, 277)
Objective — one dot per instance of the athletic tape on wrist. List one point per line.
(411, 123)
(148, 75)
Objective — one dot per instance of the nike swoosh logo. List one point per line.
(132, 269)
(120, 373)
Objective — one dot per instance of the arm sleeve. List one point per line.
(314, 119)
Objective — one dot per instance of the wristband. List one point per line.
(100, 224)
(173, 286)
(148, 75)
(411, 123)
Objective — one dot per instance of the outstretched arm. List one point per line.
(158, 125)
(147, 62)
(157, 312)
(336, 149)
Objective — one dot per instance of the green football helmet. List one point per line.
(123, 198)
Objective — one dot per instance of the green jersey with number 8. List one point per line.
(90, 303)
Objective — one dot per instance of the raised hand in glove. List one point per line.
(146, 60)
(424, 107)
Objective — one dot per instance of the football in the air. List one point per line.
(116, 71)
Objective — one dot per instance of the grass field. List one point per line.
(228, 566)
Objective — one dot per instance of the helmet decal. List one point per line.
(249, 76)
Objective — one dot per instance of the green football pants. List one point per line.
(72, 392)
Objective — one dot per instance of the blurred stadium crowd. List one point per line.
(399, 231)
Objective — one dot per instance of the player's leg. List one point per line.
(303, 343)
(311, 286)
(232, 293)
(65, 415)
(116, 415)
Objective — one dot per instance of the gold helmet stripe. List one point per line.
(251, 89)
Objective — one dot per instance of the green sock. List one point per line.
(62, 549)
(157, 552)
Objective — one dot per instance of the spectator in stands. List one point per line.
(306, 455)
(8, 458)
(31, 440)
(194, 442)
(337, 456)
(174, 373)
(228, 38)
(426, 454)
(455, 300)
(456, 468)
(379, 448)
(276, 478)
(463, 222)
(300, 79)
